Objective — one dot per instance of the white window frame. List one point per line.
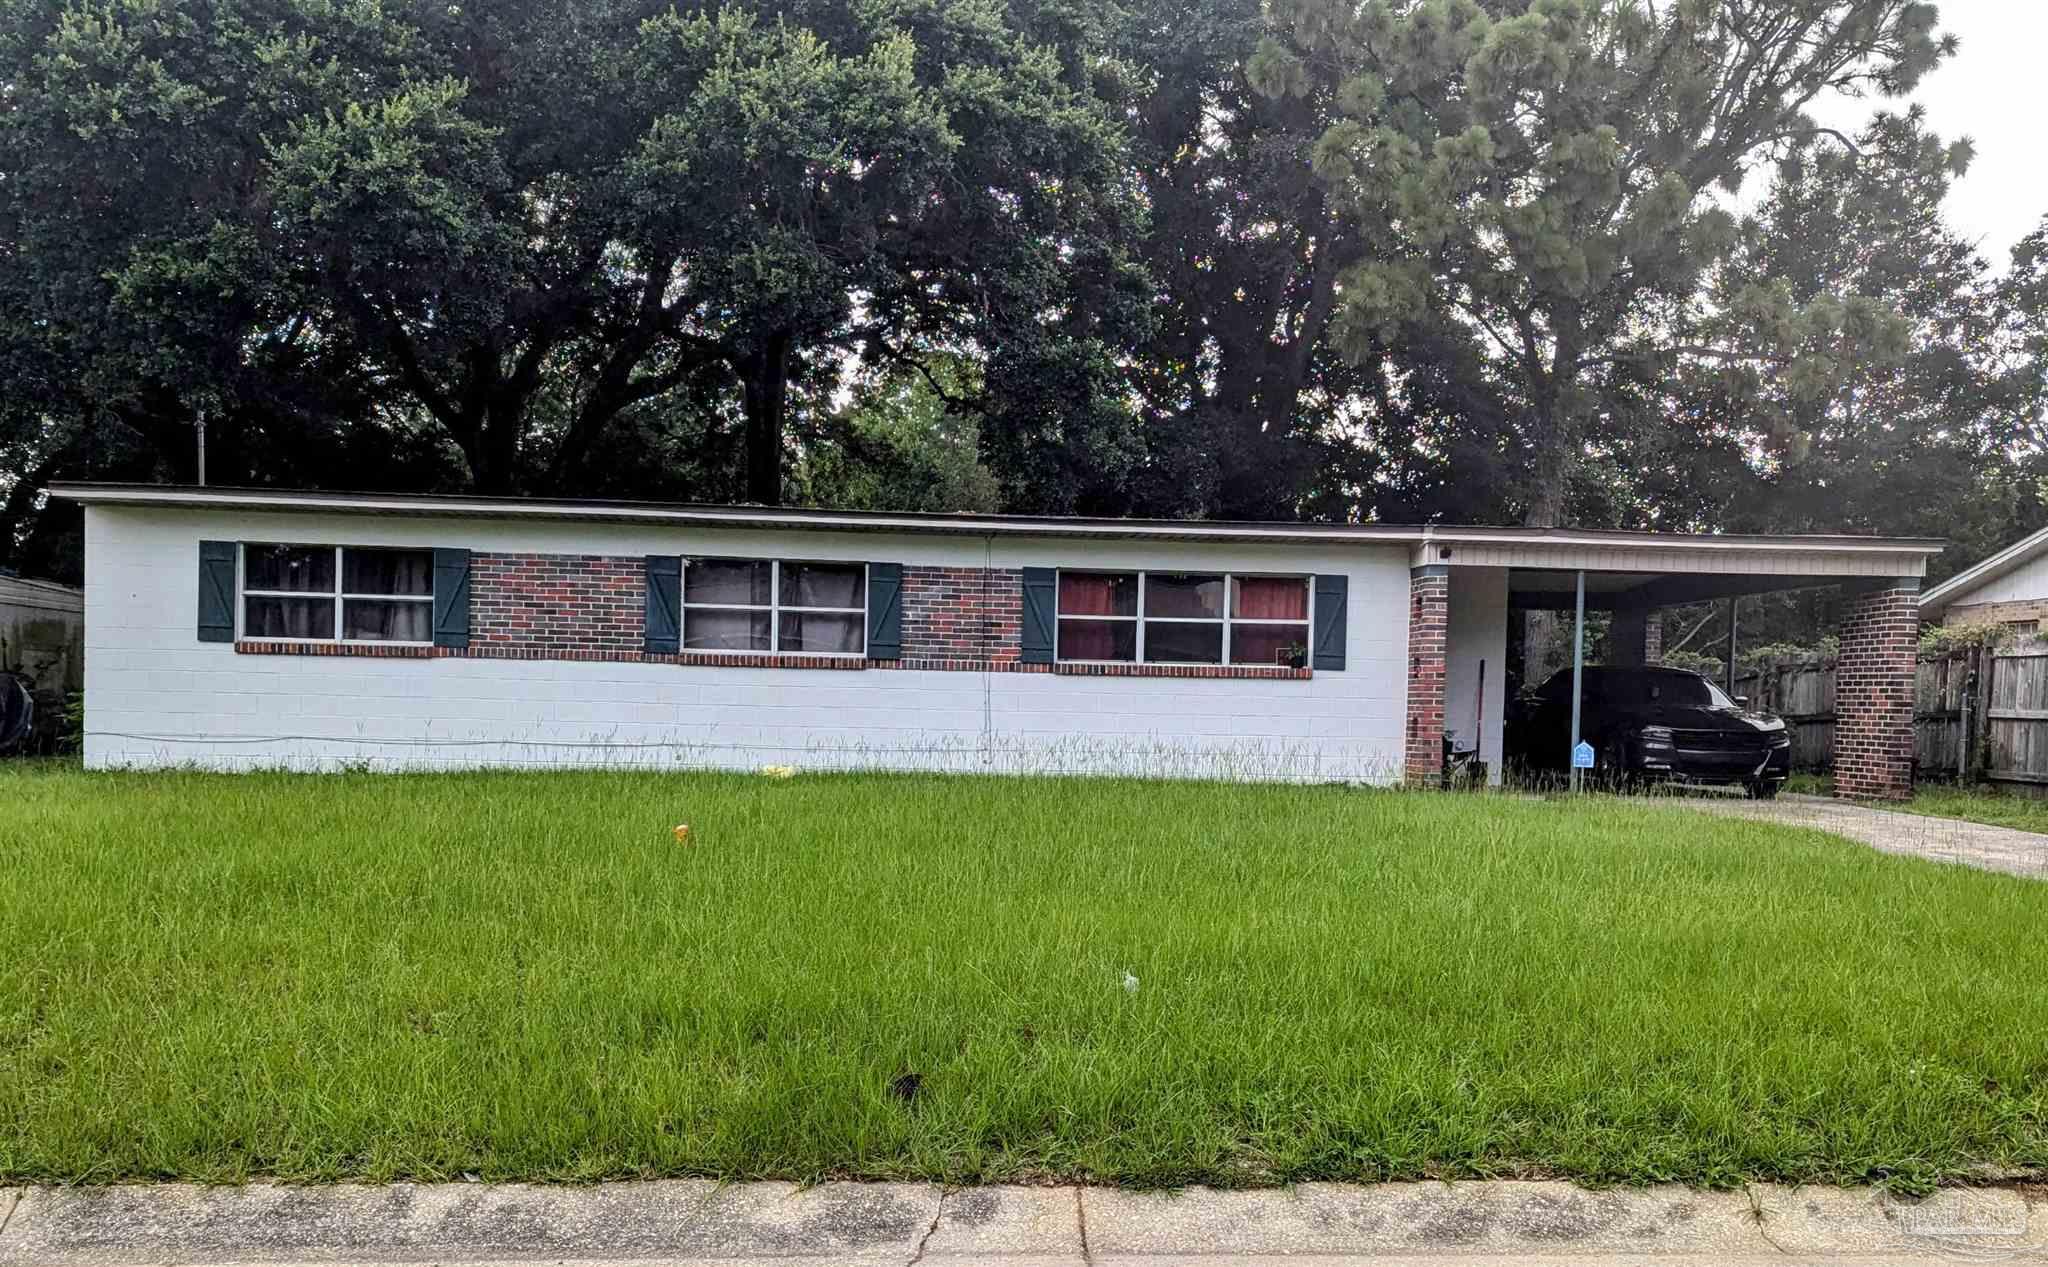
(774, 607)
(337, 597)
(1227, 620)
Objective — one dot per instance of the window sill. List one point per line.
(486, 651)
(1255, 672)
(766, 660)
(375, 650)
(762, 660)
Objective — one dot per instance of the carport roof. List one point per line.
(1594, 548)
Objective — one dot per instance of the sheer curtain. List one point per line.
(288, 618)
(822, 585)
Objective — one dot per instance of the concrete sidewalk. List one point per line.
(1316, 1225)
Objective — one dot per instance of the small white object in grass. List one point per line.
(1130, 984)
(779, 771)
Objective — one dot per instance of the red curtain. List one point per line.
(1271, 598)
(1094, 594)
(1090, 640)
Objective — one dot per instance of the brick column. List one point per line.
(1653, 637)
(1429, 595)
(1874, 693)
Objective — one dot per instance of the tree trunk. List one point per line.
(1546, 636)
(764, 378)
(495, 464)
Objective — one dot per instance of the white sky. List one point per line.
(1990, 91)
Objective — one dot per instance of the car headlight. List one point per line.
(1655, 736)
(1781, 739)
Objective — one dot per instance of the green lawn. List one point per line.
(1979, 804)
(527, 976)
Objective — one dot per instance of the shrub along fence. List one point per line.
(1980, 714)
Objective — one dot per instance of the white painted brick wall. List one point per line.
(155, 696)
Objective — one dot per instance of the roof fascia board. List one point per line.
(257, 501)
(1618, 540)
(291, 502)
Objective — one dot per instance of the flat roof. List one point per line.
(683, 514)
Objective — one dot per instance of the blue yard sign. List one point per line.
(1582, 757)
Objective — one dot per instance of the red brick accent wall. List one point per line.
(963, 613)
(2031, 611)
(557, 602)
(1874, 695)
(1428, 621)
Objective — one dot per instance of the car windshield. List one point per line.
(1682, 690)
(1636, 689)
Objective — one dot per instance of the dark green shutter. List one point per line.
(451, 598)
(1331, 595)
(885, 611)
(1041, 607)
(217, 591)
(664, 635)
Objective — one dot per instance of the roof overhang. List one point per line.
(1600, 549)
(2014, 556)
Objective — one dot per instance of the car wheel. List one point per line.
(1614, 766)
(1763, 791)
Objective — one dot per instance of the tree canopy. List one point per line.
(1468, 260)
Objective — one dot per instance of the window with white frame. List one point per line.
(302, 593)
(774, 605)
(1183, 618)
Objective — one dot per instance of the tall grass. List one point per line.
(527, 976)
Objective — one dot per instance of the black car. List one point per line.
(1652, 723)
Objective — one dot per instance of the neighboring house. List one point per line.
(42, 633)
(2009, 588)
(240, 628)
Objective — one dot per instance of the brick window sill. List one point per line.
(1257, 672)
(758, 660)
(372, 650)
(761, 660)
(486, 651)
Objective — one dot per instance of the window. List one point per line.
(770, 605)
(337, 594)
(1183, 618)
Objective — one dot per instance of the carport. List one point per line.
(1466, 583)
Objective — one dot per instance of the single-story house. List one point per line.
(2009, 588)
(241, 628)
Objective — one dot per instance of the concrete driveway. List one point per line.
(2004, 849)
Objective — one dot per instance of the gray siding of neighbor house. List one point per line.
(42, 633)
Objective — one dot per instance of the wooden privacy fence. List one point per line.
(1978, 715)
